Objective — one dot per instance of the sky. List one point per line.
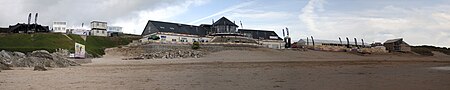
(419, 22)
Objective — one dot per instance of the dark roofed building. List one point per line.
(260, 34)
(26, 28)
(223, 25)
(158, 26)
(4, 30)
(223, 30)
(397, 45)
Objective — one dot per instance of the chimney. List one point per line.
(82, 25)
(283, 34)
(340, 40)
(35, 18)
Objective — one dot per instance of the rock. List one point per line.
(19, 54)
(4, 67)
(41, 54)
(39, 57)
(39, 68)
(5, 57)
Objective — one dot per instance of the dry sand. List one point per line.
(258, 69)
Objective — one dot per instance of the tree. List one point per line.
(154, 37)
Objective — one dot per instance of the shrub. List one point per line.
(195, 45)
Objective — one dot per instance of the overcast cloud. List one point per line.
(125, 13)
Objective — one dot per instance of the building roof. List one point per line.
(260, 34)
(176, 28)
(224, 21)
(22, 27)
(394, 40)
(98, 22)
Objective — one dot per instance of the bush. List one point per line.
(422, 51)
(195, 45)
(426, 50)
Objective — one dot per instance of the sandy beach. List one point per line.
(259, 69)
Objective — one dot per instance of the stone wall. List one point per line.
(169, 51)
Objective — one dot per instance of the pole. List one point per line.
(362, 42)
(348, 42)
(312, 39)
(35, 18)
(307, 41)
(241, 25)
(287, 31)
(356, 42)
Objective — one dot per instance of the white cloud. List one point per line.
(259, 14)
(223, 11)
(139, 19)
(308, 14)
(419, 25)
(133, 14)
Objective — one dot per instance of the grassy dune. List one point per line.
(51, 41)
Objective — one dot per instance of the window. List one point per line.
(97, 31)
(183, 40)
(174, 40)
(163, 37)
(172, 28)
(162, 27)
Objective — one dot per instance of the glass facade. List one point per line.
(225, 29)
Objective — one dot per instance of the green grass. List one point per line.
(95, 45)
(31, 42)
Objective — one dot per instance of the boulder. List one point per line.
(41, 54)
(39, 57)
(39, 68)
(4, 66)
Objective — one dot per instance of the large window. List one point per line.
(183, 40)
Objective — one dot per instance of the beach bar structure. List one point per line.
(305, 42)
(397, 45)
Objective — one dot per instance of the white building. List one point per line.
(114, 29)
(167, 37)
(99, 28)
(59, 27)
(78, 31)
(222, 31)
